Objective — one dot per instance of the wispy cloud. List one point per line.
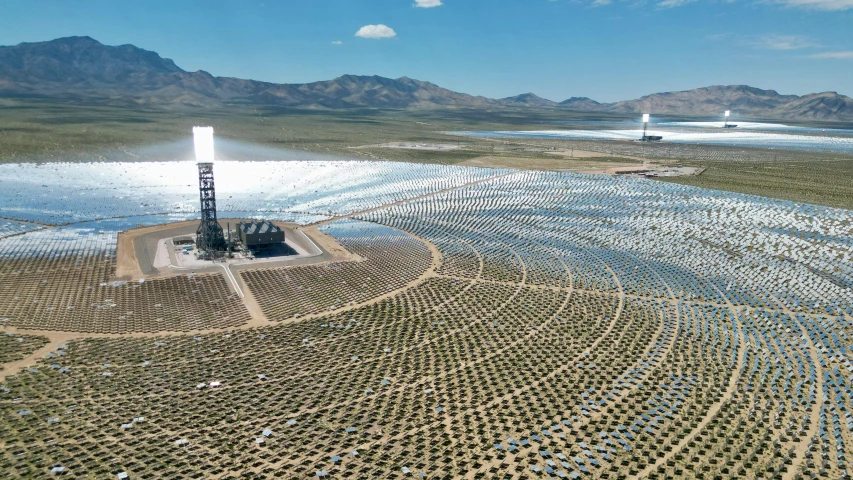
(337, 42)
(834, 55)
(782, 43)
(825, 5)
(674, 3)
(779, 42)
(830, 5)
(719, 36)
(376, 31)
(428, 3)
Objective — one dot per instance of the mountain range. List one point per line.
(81, 69)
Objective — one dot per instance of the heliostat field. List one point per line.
(491, 324)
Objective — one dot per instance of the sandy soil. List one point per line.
(436, 147)
(329, 244)
(574, 153)
(565, 164)
(27, 361)
(138, 254)
(127, 264)
(588, 163)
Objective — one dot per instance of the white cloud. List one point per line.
(769, 41)
(337, 42)
(832, 5)
(674, 3)
(428, 3)
(376, 31)
(601, 3)
(834, 55)
(718, 36)
(780, 42)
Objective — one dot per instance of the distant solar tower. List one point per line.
(209, 236)
(727, 124)
(648, 138)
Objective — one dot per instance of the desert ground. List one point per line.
(462, 322)
(43, 131)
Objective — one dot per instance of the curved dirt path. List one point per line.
(499, 400)
(31, 359)
(258, 318)
(801, 447)
(643, 356)
(712, 412)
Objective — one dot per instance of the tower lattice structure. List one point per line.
(209, 234)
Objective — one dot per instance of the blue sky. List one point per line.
(605, 49)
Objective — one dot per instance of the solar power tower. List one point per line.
(209, 236)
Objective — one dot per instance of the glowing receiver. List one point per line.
(728, 112)
(645, 118)
(203, 140)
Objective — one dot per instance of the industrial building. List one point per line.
(210, 238)
(183, 240)
(259, 234)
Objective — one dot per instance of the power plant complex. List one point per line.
(648, 138)
(658, 138)
(210, 238)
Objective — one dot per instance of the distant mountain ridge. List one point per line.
(83, 69)
(742, 99)
(528, 100)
